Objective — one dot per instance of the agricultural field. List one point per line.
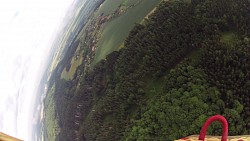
(116, 31)
(76, 61)
(109, 6)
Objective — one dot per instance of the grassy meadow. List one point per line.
(116, 31)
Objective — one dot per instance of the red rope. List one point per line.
(209, 121)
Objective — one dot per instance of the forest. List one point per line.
(188, 61)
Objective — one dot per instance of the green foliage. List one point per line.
(179, 111)
(51, 123)
(174, 71)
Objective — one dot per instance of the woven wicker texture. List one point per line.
(216, 138)
(224, 136)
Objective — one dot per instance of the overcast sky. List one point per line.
(26, 29)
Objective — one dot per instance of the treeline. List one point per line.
(176, 70)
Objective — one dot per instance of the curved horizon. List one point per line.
(27, 30)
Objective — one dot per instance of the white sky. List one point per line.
(26, 29)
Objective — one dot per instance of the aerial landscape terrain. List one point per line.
(147, 70)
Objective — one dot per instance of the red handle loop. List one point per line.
(209, 121)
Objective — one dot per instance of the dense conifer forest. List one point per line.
(188, 61)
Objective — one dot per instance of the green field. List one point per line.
(75, 62)
(70, 74)
(128, 2)
(109, 6)
(116, 31)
